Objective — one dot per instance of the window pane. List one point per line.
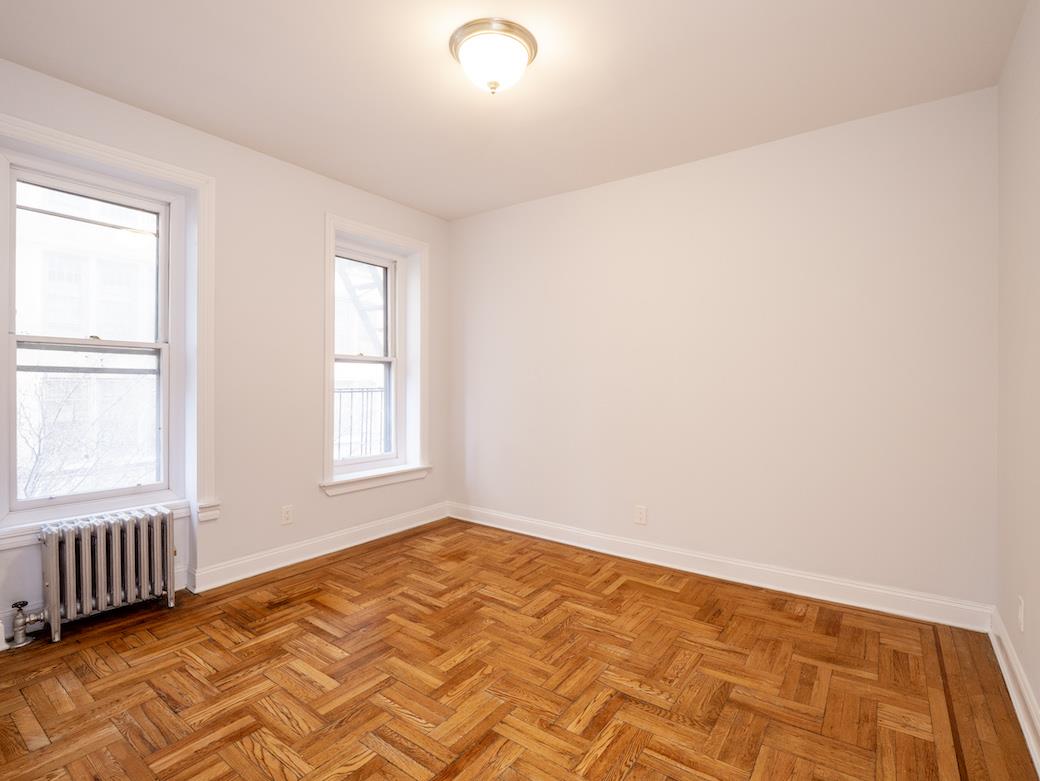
(360, 407)
(360, 308)
(79, 278)
(87, 420)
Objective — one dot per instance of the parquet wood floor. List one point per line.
(456, 651)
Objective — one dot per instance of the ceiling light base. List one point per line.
(494, 24)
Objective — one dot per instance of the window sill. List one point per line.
(22, 527)
(373, 478)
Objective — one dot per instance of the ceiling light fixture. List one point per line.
(493, 53)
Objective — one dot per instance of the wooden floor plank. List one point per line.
(455, 651)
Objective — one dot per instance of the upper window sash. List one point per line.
(118, 198)
(390, 314)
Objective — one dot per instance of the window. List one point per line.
(374, 337)
(363, 388)
(91, 340)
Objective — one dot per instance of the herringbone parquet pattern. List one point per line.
(461, 652)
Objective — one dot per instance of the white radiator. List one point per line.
(106, 561)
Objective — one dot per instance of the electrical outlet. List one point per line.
(640, 515)
(1021, 614)
(287, 514)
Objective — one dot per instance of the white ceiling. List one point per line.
(365, 91)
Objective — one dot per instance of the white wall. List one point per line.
(1019, 547)
(269, 326)
(788, 353)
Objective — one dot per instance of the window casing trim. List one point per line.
(408, 259)
(374, 478)
(170, 328)
(197, 245)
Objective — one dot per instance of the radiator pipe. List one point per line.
(21, 622)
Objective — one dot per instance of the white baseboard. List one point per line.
(205, 578)
(1022, 694)
(902, 602)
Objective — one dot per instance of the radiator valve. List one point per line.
(21, 621)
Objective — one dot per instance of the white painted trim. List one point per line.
(47, 137)
(215, 575)
(20, 536)
(208, 511)
(203, 339)
(902, 602)
(360, 481)
(28, 534)
(1022, 694)
(120, 501)
(409, 339)
(32, 138)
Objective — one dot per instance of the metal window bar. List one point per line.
(361, 427)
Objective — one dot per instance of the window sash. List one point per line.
(389, 301)
(119, 198)
(391, 422)
(161, 345)
(162, 426)
(389, 416)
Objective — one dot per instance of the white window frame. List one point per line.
(347, 251)
(405, 260)
(169, 342)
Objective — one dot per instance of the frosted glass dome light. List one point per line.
(493, 53)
